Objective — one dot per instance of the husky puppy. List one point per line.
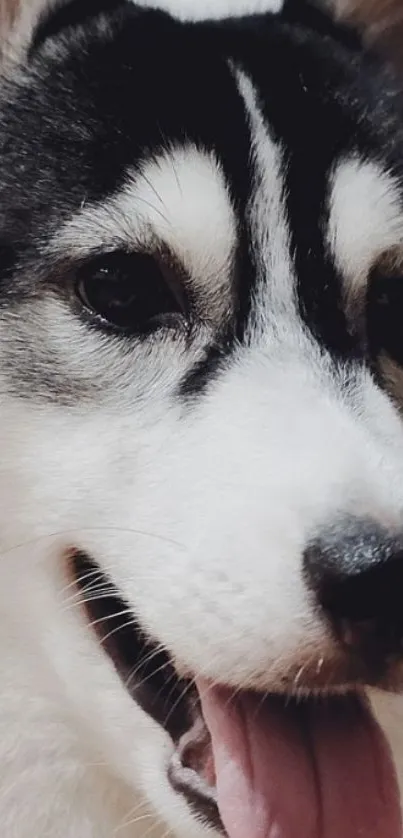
(201, 456)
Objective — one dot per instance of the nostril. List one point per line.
(355, 571)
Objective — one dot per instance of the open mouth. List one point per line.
(253, 766)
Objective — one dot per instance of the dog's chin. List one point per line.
(179, 704)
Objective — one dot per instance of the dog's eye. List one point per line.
(385, 316)
(135, 292)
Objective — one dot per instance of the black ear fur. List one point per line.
(320, 17)
(370, 23)
(380, 21)
(69, 14)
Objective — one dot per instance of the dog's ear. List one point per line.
(370, 14)
(29, 23)
(380, 21)
(18, 19)
(8, 10)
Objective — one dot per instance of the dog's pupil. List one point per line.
(127, 290)
(385, 301)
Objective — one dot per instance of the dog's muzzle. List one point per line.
(308, 763)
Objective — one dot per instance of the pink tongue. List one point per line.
(313, 771)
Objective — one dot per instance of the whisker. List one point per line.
(129, 624)
(132, 817)
(73, 584)
(145, 662)
(132, 822)
(178, 701)
(149, 677)
(75, 602)
(126, 612)
(76, 531)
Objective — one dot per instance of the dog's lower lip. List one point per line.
(204, 805)
(172, 701)
(188, 776)
(144, 667)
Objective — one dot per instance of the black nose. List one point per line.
(355, 570)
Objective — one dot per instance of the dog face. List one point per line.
(200, 349)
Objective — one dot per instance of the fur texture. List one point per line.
(191, 458)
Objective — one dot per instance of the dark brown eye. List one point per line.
(134, 292)
(385, 316)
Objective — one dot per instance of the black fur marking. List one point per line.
(121, 92)
(200, 376)
(324, 107)
(75, 13)
(7, 263)
(310, 16)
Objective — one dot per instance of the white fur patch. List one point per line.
(203, 9)
(268, 221)
(180, 200)
(365, 219)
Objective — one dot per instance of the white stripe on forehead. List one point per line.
(365, 219)
(275, 295)
(218, 9)
(178, 199)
